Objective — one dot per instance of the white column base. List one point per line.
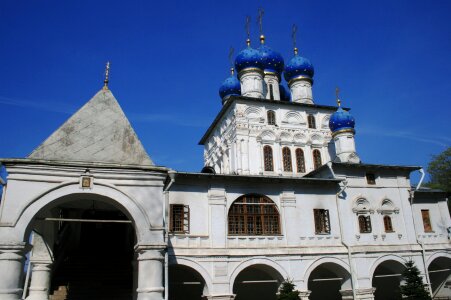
(150, 273)
(40, 280)
(303, 295)
(11, 268)
(220, 297)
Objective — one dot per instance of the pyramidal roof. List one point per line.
(97, 132)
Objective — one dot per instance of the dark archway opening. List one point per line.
(327, 280)
(387, 279)
(257, 282)
(93, 252)
(185, 283)
(440, 277)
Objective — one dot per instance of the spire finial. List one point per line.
(294, 30)
(261, 12)
(107, 76)
(248, 30)
(231, 52)
(337, 96)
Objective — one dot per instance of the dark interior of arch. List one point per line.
(185, 283)
(325, 282)
(92, 260)
(258, 282)
(387, 288)
(439, 275)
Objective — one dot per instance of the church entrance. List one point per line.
(93, 254)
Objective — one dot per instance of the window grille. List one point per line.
(311, 121)
(365, 224)
(300, 161)
(322, 223)
(179, 222)
(271, 117)
(426, 220)
(253, 215)
(388, 224)
(286, 155)
(268, 159)
(317, 159)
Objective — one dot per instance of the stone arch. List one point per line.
(438, 269)
(196, 267)
(312, 266)
(386, 276)
(258, 279)
(300, 138)
(328, 278)
(267, 136)
(325, 122)
(293, 117)
(286, 137)
(99, 191)
(282, 273)
(253, 113)
(437, 255)
(385, 258)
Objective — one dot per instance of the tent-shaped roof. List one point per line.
(98, 132)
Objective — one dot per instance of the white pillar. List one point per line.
(150, 272)
(303, 295)
(245, 155)
(251, 80)
(301, 90)
(40, 280)
(361, 294)
(11, 267)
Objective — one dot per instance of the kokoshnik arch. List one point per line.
(283, 194)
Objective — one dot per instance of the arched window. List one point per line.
(271, 117)
(267, 157)
(311, 121)
(387, 224)
(365, 224)
(286, 155)
(300, 161)
(253, 215)
(317, 159)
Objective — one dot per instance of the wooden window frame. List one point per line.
(268, 159)
(271, 115)
(179, 218)
(365, 224)
(426, 217)
(322, 221)
(388, 224)
(286, 160)
(253, 215)
(300, 160)
(311, 121)
(317, 160)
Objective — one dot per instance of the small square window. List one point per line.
(370, 178)
(322, 223)
(426, 220)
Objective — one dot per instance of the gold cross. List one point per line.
(261, 12)
(294, 30)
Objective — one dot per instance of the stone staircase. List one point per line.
(83, 277)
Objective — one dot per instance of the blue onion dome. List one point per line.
(341, 119)
(298, 67)
(248, 58)
(272, 60)
(284, 94)
(230, 86)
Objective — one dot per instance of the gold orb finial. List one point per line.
(232, 71)
(248, 42)
(295, 51)
(262, 39)
(107, 76)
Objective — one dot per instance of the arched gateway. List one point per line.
(87, 206)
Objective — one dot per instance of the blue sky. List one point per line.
(391, 60)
